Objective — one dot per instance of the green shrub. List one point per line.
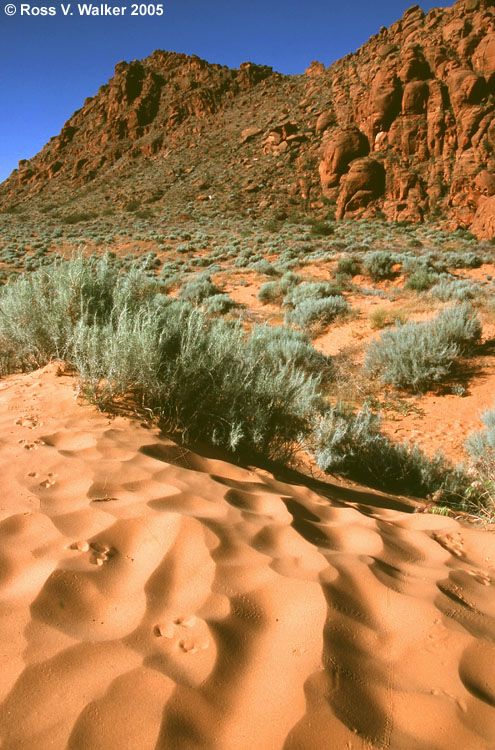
(481, 444)
(76, 218)
(317, 311)
(348, 265)
(351, 444)
(421, 280)
(219, 304)
(379, 265)
(202, 375)
(310, 291)
(291, 347)
(455, 290)
(321, 228)
(417, 355)
(199, 289)
(269, 292)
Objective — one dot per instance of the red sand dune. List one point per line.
(151, 598)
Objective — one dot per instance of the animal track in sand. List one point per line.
(480, 576)
(164, 631)
(49, 481)
(31, 422)
(192, 647)
(82, 546)
(452, 542)
(101, 553)
(30, 445)
(186, 622)
(173, 629)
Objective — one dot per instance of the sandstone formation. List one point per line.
(404, 127)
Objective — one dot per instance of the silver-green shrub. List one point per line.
(418, 355)
(351, 444)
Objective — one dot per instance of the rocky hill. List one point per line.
(403, 129)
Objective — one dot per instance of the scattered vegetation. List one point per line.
(481, 448)
(203, 376)
(152, 318)
(351, 444)
(419, 355)
(381, 317)
(317, 312)
(379, 265)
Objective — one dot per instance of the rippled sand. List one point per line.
(153, 598)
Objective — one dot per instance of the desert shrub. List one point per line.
(412, 263)
(273, 291)
(459, 324)
(348, 265)
(198, 289)
(481, 449)
(312, 311)
(417, 355)
(421, 280)
(201, 262)
(379, 264)
(481, 444)
(39, 311)
(202, 375)
(219, 304)
(381, 318)
(455, 290)
(310, 291)
(321, 228)
(288, 281)
(245, 257)
(269, 292)
(462, 260)
(264, 266)
(291, 347)
(351, 444)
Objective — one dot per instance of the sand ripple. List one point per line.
(152, 598)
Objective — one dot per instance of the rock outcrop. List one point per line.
(403, 128)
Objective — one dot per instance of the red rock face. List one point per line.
(422, 92)
(404, 127)
(344, 145)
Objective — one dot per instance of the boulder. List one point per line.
(249, 133)
(483, 225)
(484, 55)
(345, 144)
(364, 182)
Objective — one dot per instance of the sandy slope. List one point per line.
(152, 598)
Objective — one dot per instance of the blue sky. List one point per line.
(49, 65)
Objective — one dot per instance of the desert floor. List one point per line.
(155, 598)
